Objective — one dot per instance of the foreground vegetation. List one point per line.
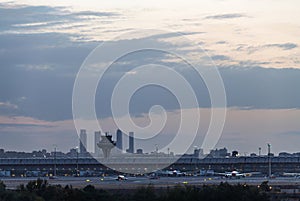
(39, 190)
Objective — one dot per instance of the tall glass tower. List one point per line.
(131, 143)
(83, 141)
(119, 140)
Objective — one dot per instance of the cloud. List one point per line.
(20, 19)
(93, 13)
(226, 16)
(36, 67)
(261, 88)
(42, 68)
(23, 98)
(221, 42)
(220, 57)
(17, 123)
(253, 63)
(284, 46)
(14, 16)
(3, 125)
(49, 92)
(251, 49)
(8, 105)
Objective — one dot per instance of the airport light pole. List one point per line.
(156, 152)
(269, 158)
(54, 171)
(77, 161)
(197, 154)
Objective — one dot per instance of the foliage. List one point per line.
(2, 186)
(40, 190)
(145, 194)
(224, 192)
(264, 186)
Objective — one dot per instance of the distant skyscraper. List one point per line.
(119, 140)
(97, 139)
(131, 143)
(83, 141)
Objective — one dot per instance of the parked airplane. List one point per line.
(207, 172)
(291, 174)
(178, 173)
(170, 173)
(236, 174)
(121, 178)
(53, 177)
(153, 176)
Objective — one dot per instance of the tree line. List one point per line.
(40, 190)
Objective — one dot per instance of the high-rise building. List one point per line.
(83, 141)
(131, 143)
(119, 140)
(97, 139)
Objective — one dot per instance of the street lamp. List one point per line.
(54, 172)
(156, 153)
(77, 161)
(269, 157)
(156, 148)
(196, 155)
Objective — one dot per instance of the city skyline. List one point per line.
(254, 46)
(117, 140)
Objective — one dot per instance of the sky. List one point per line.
(254, 45)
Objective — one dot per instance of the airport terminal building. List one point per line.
(141, 165)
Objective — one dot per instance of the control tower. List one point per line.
(106, 144)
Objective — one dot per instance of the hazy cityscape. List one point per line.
(118, 149)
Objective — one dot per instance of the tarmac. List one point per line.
(136, 182)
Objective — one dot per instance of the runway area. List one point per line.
(135, 182)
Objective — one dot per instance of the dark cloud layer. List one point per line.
(21, 18)
(262, 88)
(49, 92)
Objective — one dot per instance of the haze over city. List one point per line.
(253, 44)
